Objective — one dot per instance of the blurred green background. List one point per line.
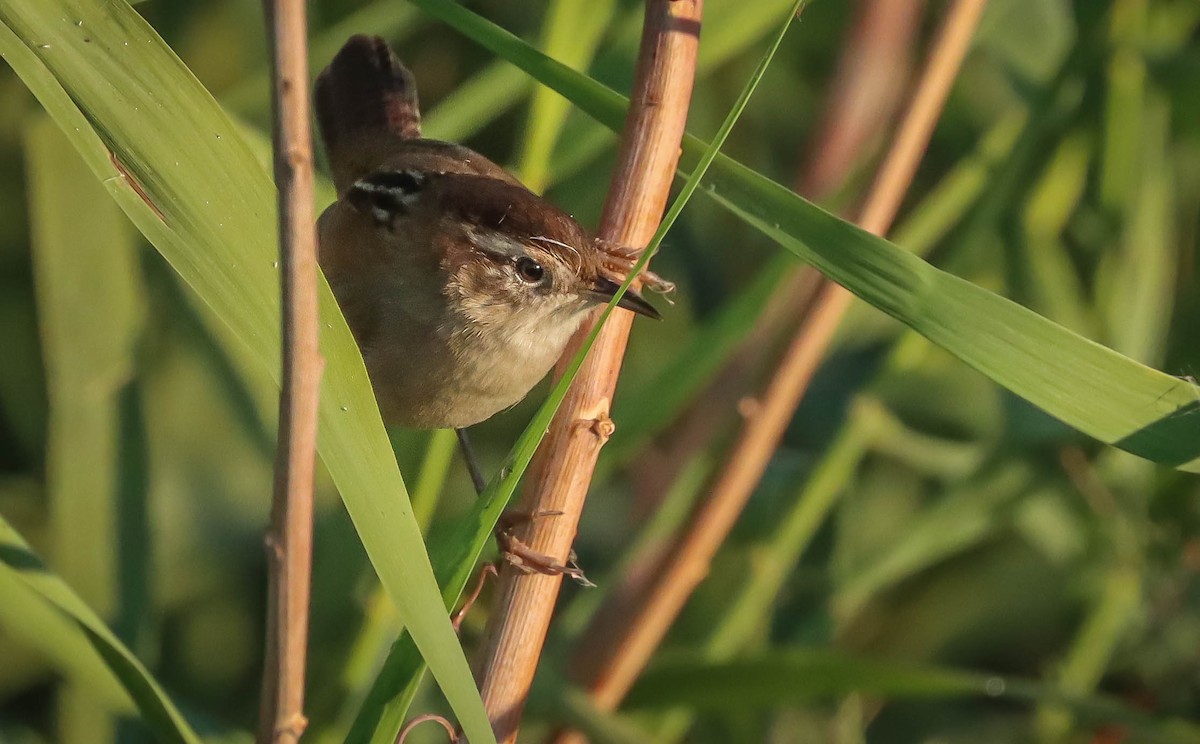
(949, 523)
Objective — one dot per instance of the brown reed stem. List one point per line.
(289, 538)
(562, 469)
(687, 562)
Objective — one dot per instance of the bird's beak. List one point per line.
(602, 289)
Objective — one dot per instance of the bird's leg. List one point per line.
(468, 453)
(511, 547)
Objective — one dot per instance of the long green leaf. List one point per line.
(1092, 388)
(179, 169)
(18, 561)
(48, 634)
(791, 676)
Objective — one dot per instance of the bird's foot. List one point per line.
(621, 259)
(528, 560)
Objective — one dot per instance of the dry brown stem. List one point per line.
(562, 469)
(687, 564)
(289, 539)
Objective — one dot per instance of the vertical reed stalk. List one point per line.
(289, 539)
(562, 469)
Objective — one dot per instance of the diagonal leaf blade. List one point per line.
(18, 561)
(180, 170)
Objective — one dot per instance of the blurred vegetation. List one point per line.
(916, 514)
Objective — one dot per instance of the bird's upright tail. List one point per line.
(364, 99)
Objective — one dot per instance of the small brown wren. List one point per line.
(460, 285)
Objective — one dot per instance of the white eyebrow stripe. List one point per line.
(494, 243)
(574, 251)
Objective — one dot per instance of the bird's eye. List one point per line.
(529, 270)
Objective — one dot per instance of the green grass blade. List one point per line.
(456, 550)
(180, 171)
(31, 624)
(1092, 388)
(18, 561)
(790, 676)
